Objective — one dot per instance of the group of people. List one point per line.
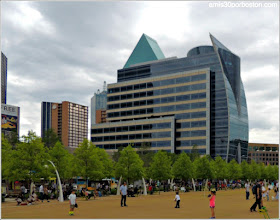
(261, 192)
(212, 198)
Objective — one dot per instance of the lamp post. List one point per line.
(59, 183)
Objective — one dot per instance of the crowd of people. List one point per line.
(261, 191)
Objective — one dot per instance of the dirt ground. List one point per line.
(230, 204)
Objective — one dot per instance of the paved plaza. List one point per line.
(230, 204)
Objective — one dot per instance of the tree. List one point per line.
(12, 138)
(194, 153)
(62, 160)
(129, 165)
(182, 168)
(270, 172)
(28, 160)
(203, 168)
(160, 168)
(262, 171)
(245, 170)
(117, 154)
(50, 138)
(173, 157)
(87, 162)
(146, 154)
(276, 172)
(6, 151)
(255, 171)
(107, 163)
(234, 170)
(219, 167)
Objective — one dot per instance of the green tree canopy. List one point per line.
(160, 168)
(183, 168)
(220, 168)
(203, 169)
(234, 170)
(255, 171)
(107, 163)
(6, 152)
(50, 138)
(87, 163)
(129, 165)
(62, 160)
(29, 159)
(246, 171)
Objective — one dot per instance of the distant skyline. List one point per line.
(64, 51)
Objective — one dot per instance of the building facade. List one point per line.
(10, 116)
(69, 120)
(98, 106)
(264, 153)
(4, 64)
(174, 104)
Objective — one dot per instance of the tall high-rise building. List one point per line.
(176, 104)
(98, 106)
(4, 62)
(69, 120)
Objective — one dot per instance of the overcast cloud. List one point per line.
(63, 51)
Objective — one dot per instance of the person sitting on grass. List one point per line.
(19, 200)
(212, 198)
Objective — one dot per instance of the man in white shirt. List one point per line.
(123, 191)
(247, 187)
(41, 191)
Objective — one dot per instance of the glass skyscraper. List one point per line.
(175, 103)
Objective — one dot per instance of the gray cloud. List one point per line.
(65, 50)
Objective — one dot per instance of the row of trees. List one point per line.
(28, 160)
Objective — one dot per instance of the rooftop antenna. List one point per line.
(104, 86)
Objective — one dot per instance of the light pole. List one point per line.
(59, 183)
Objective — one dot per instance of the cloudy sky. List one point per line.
(60, 51)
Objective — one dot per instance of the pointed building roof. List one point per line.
(146, 50)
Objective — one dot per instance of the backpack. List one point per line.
(254, 190)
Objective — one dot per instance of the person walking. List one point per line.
(247, 187)
(177, 200)
(258, 197)
(123, 190)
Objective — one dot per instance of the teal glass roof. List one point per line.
(146, 50)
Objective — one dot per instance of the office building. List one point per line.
(264, 153)
(4, 64)
(10, 119)
(69, 120)
(174, 104)
(98, 106)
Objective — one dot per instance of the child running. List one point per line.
(212, 202)
(177, 200)
(72, 201)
